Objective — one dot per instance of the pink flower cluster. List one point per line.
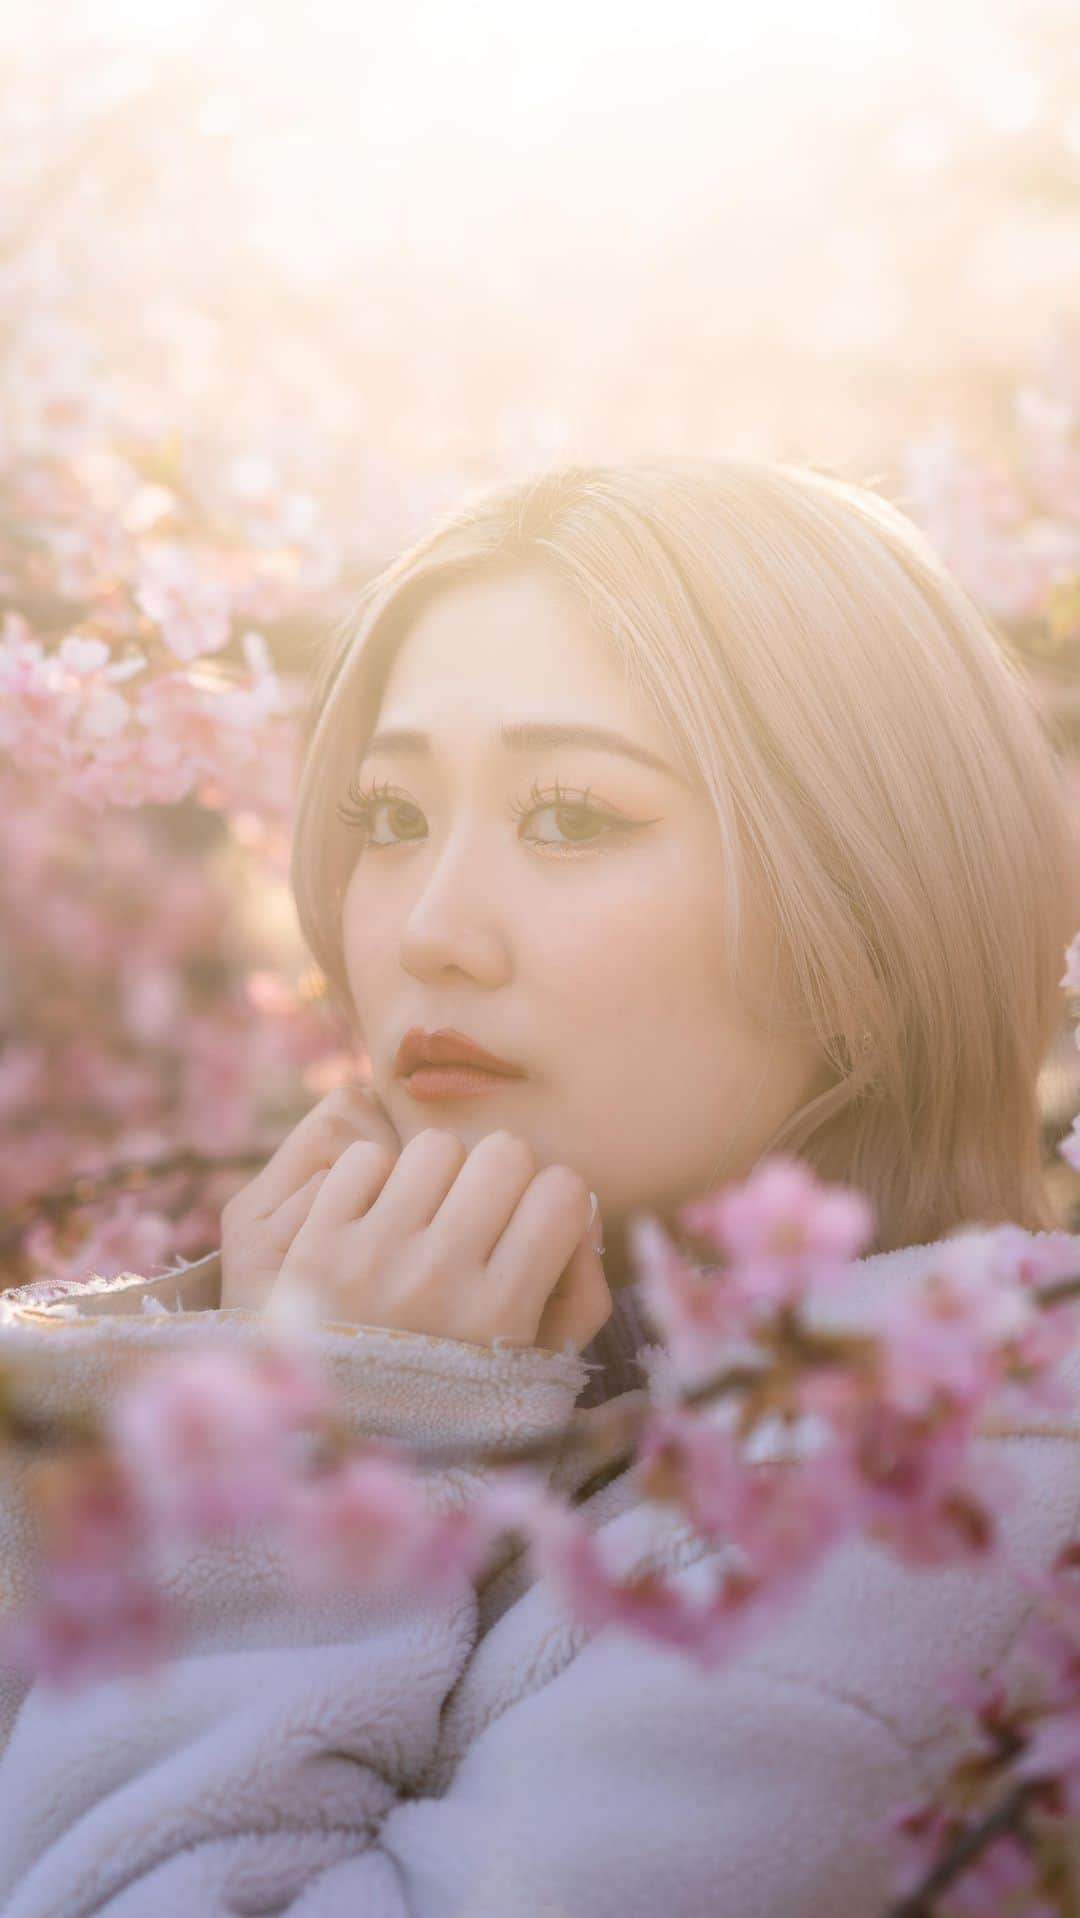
(148, 996)
(785, 1430)
(882, 1429)
(1023, 1747)
(208, 1447)
(176, 513)
(176, 509)
(67, 718)
(1009, 526)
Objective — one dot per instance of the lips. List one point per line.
(446, 1047)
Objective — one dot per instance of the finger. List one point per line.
(362, 1102)
(580, 1305)
(525, 1265)
(350, 1187)
(425, 1171)
(484, 1197)
(285, 1222)
(316, 1142)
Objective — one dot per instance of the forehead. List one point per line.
(517, 645)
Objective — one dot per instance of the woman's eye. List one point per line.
(576, 823)
(361, 805)
(403, 820)
(573, 821)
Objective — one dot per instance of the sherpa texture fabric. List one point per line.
(486, 1756)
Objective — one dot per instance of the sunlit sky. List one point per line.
(621, 199)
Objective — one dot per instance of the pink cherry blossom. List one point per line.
(735, 1610)
(783, 1237)
(735, 1495)
(1053, 1754)
(695, 1311)
(356, 1526)
(943, 1340)
(973, 1326)
(91, 1623)
(210, 1439)
(369, 1526)
(178, 509)
(1004, 1878)
(83, 656)
(784, 1230)
(926, 1495)
(917, 1833)
(978, 517)
(132, 1237)
(191, 609)
(97, 1609)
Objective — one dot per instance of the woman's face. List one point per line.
(584, 945)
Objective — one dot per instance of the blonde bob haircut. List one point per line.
(879, 766)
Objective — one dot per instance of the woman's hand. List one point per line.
(261, 1220)
(474, 1245)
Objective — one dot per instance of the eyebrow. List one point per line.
(527, 737)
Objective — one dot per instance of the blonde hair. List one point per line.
(875, 758)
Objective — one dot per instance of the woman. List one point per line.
(698, 794)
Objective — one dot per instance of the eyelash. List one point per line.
(358, 808)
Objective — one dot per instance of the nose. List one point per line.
(453, 924)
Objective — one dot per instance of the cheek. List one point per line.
(637, 976)
(644, 949)
(367, 953)
(367, 939)
(654, 1060)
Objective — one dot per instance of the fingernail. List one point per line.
(595, 1227)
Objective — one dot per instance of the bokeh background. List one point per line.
(279, 280)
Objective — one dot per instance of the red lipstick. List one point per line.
(447, 1064)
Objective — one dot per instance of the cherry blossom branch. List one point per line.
(598, 1428)
(1004, 1816)
(132, 1175)
(206, 1442)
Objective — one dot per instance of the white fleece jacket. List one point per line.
(488, 1757)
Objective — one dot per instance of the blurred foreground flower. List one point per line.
(775, 1433)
